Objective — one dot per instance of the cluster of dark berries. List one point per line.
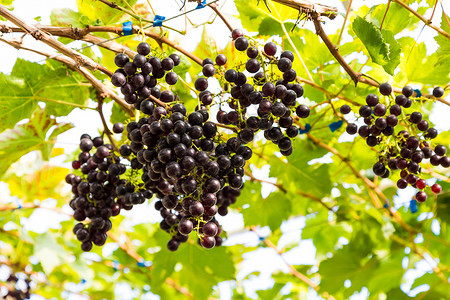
(138, 79)
(186, 166)
(406, 149)
(274, 95)
(99, 193)
(13, 291)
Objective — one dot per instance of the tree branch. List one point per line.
(215, 8)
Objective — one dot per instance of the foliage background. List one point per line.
(305, 227)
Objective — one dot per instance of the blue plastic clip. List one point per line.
(306, 130)
(158, 20)
(141, 263)
(83, 281)
(201, 5)
(19, 206)
(413, 206)
(116, 265)
(386, 205)
(336, 125)
(418, 93)
(127, 28)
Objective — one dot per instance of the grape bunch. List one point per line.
(13, 290)
(99, 193)
(194, 175)
(405, 149)
(264, 100)
(134, 79)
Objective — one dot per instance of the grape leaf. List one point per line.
(30, 83)
(443, 52)
(381, 45)
(49, 252)
(38, 134)
(96, 10)
(68, 17)
(277, 206)
(40, 185)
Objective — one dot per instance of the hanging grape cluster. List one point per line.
(18, 287)
(408, 147)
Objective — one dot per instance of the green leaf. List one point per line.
(397, 17)
(443, 52)
(277, 207)
(49, 252)
(30, 83)
(381, 45)
(68, 17)
(34, 135)
(346, 265)
(96, 10)
(420, 67)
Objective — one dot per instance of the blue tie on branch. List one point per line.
(336, 125)
(127, 28)
(306, 130)
(158, 20)
(413, 206)
(201, 5)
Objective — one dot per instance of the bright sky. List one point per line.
(266, 261)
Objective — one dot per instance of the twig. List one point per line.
(55, 44)
(106, 130)
(215, 7)
(385, 13)
(307, 7)
(134, 15)
(292, 270)
(422, 18)
(345, 21)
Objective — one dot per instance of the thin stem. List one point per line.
(134, 15)
(215, 7)
(385, 13)
(292, 270)
(422, 18)
(105, 125)
(345, 21)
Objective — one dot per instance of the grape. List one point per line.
(143, 48)
(302, 111)
(372, 100)
(345, 109)
(284, 64)
(385, 89)
(352, 128)
(436, 188)
(287, 54)
(171, 78)
(438, 92)
(175, 58)
(379, 109)
(252, 65)
(236, 33)
(121, 59)
(167, 64)
(270, 48)
(440, 150)
(221, 59)
(421, 196)
(252, 52)
(415, 117)
(241, 43)
(407, 91)
(118, 79)
(365, 111)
